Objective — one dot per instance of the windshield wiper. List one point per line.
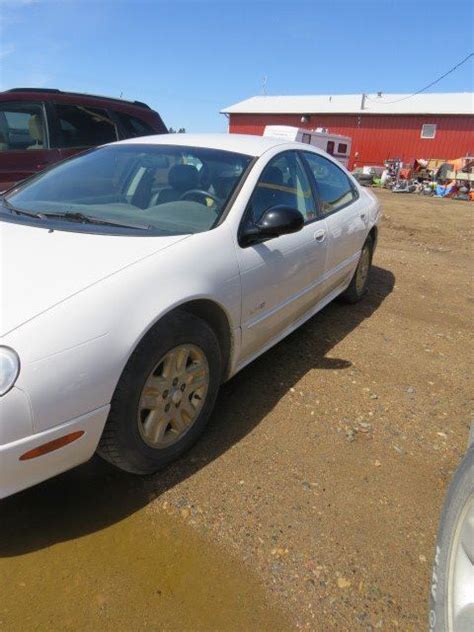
(19, 211)
(89, 219)
(74, 217)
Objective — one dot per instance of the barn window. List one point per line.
(342, 148)
(330, 147)
(306, 138)
(428, 130)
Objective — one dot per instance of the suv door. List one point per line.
(24, 141)
(79, 127)
(276, 274)
(345, 216)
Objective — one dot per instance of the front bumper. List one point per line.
(16, 475)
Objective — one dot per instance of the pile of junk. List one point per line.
(452, 179)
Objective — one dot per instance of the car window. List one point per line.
(84, 126)
(165, 188)
(22, 126)
(334, 187)
(133, 126)
(283, 181)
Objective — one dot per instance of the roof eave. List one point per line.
(359, 112)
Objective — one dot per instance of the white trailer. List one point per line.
(334, 144)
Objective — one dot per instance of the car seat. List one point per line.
(35, 126)
(181, 178)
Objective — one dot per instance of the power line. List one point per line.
(426, 87)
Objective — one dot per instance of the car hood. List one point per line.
(39, 269)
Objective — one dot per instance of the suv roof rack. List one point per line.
(33, 90)
(82, 94)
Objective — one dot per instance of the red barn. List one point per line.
(381, 126)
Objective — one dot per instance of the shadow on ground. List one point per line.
(95, 495)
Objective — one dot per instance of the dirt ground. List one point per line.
(313, 499)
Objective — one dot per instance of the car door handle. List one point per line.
(319, 235)
(363, 216)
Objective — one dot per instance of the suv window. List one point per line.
(283, 181)
(22, 126)
(84, 126)
(334, 187)
(133, 126)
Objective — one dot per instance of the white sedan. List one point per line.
(139, 276)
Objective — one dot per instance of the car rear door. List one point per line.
(346, 220)
(24, 141)
(275, 274)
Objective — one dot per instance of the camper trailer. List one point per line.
(334, 144)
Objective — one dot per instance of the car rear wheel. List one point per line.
(164, 397)
(360, 281)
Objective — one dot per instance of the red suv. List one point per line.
(40, 126)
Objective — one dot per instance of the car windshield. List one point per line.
(161, 189)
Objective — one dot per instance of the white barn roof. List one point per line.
(424, 103)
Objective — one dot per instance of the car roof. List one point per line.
(239, 143)
(48, 94)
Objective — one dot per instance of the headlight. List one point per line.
(9, 369)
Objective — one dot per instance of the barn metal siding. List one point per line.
(378, 137)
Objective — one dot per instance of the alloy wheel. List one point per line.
(173, 396)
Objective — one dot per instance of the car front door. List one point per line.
(275, 274)
(24, 141)
(345, 217)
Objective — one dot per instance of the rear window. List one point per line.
(84, 126)
(22, 126)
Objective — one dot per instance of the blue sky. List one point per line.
(190, 58)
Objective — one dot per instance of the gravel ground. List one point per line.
(320, 477)
(327, 460)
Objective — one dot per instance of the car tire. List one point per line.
(127, 441)
(360, 281)
(455, 537)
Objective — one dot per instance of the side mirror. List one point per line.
(276, 221)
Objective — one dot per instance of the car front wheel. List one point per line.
(164, 397)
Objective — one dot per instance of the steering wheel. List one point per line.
(201, 192)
